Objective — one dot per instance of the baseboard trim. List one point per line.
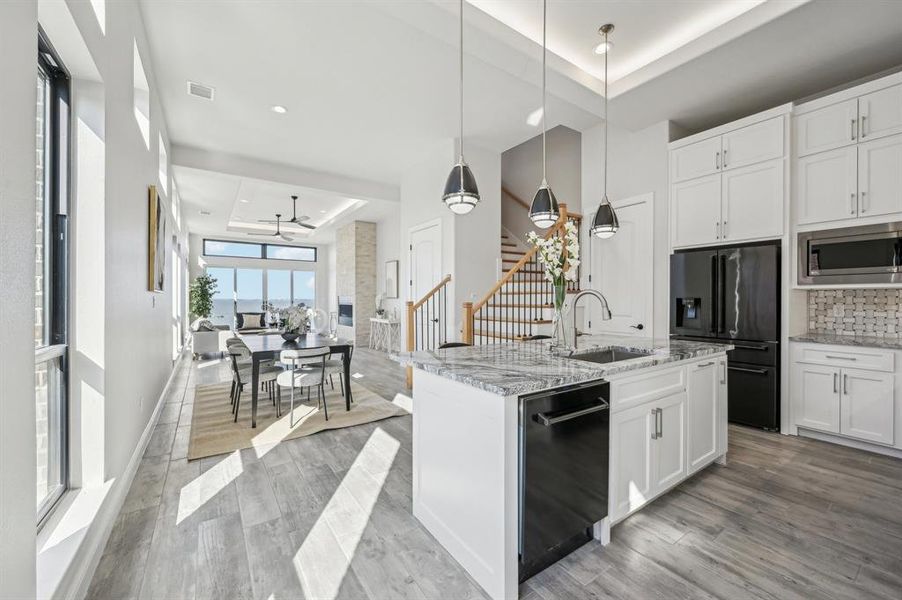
(95, 542)
(851, 443)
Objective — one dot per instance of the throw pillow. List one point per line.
(250, 320)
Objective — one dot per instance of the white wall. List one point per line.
(521, 174)
(18, 44)
(638, 163)
(388, 247)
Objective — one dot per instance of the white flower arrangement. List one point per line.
(296, 319)
(559, 265)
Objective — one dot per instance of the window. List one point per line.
(304, 287)
(241, 290)
(51, 267)
(233, 249)
(278, 288)
(252, 250)
(248, 290)
(223, 295)
(302, 253)
(164, 166)
(141, 97)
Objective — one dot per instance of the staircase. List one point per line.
(520, 305)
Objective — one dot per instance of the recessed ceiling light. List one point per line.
(322, 212)
(603, 47)
(245, 200)
(278, 108)
(205, 213)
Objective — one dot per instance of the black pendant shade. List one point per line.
(544, 211)
(461, 193)
(605, 224)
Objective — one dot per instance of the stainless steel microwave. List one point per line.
(865, 254)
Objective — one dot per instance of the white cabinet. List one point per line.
(752, 201)
(827, 128)
(729, 187)
(880, 176)
(702, 414)
(848, 391)
(631, 459)
(695, 211)
(752, 144)
(695, 160)
(816, 397)
(866, 407)
(826, 186)
(722, 406)
(880, 113)
(669, 457)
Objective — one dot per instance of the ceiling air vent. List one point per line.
(200, 90)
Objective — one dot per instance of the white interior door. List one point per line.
(622, 271)
(425, 258)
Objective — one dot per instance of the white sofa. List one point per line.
(210, 342)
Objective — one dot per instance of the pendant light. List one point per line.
(544, 211)
(461, 193)
(605, 224)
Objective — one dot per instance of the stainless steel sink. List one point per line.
(609, 355)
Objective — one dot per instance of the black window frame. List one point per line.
(264, 255)
(59, 131)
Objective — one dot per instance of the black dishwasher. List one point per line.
(563, 463)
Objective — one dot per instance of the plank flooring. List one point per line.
(328, 516)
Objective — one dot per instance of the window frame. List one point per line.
(266, 248)
(264, 254)
(258, 244)
(57, 254)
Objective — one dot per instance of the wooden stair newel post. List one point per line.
(467, 333)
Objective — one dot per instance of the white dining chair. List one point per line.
(307, 369)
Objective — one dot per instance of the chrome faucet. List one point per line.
(606, 315)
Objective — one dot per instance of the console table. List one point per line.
(385, 334)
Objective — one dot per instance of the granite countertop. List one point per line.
(520, 367)
(849, 340)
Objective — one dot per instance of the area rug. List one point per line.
(213, 431)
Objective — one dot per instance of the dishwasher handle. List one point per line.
(548, 420)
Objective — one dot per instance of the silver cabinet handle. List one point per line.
(852, 202)
(863, 206)
(840, 357)
(835, 377)
(707, 364)
(723, 375)
(724, 159)
(717, 160)
(660, 422)
(861, 127)
(717, 230)
(845, 384)
(852, 129)
(654, 415)
(746, 370)
(723, 229)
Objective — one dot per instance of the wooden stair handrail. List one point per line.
(563, 218)
(411, 309)
(525, 205)
(432, 292)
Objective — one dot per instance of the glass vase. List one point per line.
(560, 334)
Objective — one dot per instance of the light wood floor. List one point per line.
(328, 516)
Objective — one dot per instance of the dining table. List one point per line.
(267, 346)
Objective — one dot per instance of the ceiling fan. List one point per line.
(278, 232)
(295, 219)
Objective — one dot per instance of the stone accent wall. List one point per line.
(870, 312)
(355, 247)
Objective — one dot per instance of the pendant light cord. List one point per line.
(544, 28)
(607, 49)
(461, 82)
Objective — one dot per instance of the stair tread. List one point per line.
(509, 244)
(501, 319)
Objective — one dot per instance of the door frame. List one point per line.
(415, 228)
(647, 198)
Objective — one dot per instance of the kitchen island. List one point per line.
(666, 404)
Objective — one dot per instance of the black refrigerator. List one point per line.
(732, 294)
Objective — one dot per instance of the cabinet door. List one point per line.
(695, 160)
(827, 186)
(752, 201)
(753, 144)
(702, 414)
(722, 406)
(827, 128)
(670, 448)
(880, 177)
(880, 113)
(695, 211)
(817, 397)
(631, 456)
(866, 408)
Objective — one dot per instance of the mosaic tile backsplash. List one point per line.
(856, 312)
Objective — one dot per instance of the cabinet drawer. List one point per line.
(848, 357)
(634, 390)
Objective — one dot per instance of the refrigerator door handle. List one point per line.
(713, 328)
(722, 295)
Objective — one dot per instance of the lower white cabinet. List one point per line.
(703, 412)
(657, 444)
(851, 402)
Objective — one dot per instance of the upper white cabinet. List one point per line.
(848, 155)
(827, 128)
(880, 113)
(695, 160)
(729, 187)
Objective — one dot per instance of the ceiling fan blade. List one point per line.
(286, 238)
(305, 225)
(266, 221)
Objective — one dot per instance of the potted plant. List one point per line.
(559, 255)
(200, 296)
